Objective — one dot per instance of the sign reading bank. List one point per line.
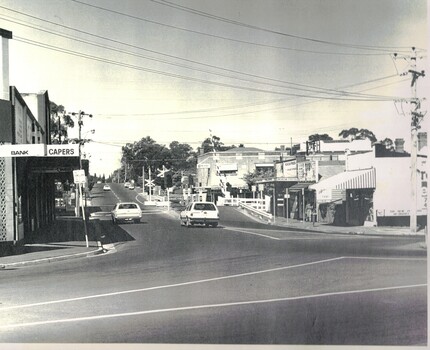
(69, 150)
(22, 150)
(39, 150)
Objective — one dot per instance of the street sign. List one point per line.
(79, 177)
(69, 150)
(22, 150)
(150, 183)
(162, 171)
(203, 166)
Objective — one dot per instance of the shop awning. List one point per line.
(348, 180)
(299, 186)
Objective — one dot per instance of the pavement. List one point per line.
(65, 239)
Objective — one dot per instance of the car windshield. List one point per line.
(127, 206)
(204, 206)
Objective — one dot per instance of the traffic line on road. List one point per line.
(384, 258)
(169, 285)
(209, 306)
(251, 233)
(316, 236)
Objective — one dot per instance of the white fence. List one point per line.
(256, 203)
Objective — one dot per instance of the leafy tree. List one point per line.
(147, 153)
(318, 137)
(358, 134)
(214, 144)
(252, 178)
(60, 121)
(182, 156)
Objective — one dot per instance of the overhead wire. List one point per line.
(237, 23)
(302, 87)
(223, 37)
(179, 76)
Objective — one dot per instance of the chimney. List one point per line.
(4, 63)
(422, 140)
(399, 145)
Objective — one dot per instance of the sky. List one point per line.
(253, 72)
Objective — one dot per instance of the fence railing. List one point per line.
(261, 214)
(256, 203)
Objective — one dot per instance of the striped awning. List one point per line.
(348, 180)
(299, 186)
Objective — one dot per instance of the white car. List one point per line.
(126, 184)
(131, 187)
(203, 213)
(106, 188)
(126, 211)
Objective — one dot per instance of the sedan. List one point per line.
(129, 211)
(106, 188)
(204, 213)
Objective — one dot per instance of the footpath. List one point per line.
(65, 239)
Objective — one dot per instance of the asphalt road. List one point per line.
(241, 283)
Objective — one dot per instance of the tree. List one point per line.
(214, 144)
(252, 178)
(358, 134)
(182, 156)
(147, 153)
(319, 137)
(60, 121)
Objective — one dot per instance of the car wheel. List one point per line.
(136, 221)
(215, 224)
(114, 221)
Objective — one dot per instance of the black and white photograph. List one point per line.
(214, 174)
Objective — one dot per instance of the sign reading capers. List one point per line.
(69, 150)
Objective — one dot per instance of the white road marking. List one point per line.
(383, 258)
(290, 238)
(207, 306)
(169, 285)
(251, 233)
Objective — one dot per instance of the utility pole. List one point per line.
(416, 118)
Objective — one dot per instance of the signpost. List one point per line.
(80, 179)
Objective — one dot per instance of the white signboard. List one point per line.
(203, 166)
(79, 176)
(69, 150)
(22, 150)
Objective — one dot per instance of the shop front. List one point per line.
(346, 198)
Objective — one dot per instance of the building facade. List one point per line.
(374, 189)
(220, 171)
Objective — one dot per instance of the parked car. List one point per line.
(131, 187)
(203, 213)
(126, 184)
(126, 211)
(106, 188)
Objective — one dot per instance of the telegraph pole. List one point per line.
(416, 118)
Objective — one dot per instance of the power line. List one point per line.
(223, 37)
(301, 87)
(226, 20)
(173, 75)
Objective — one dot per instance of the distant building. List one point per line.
(218, 171)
